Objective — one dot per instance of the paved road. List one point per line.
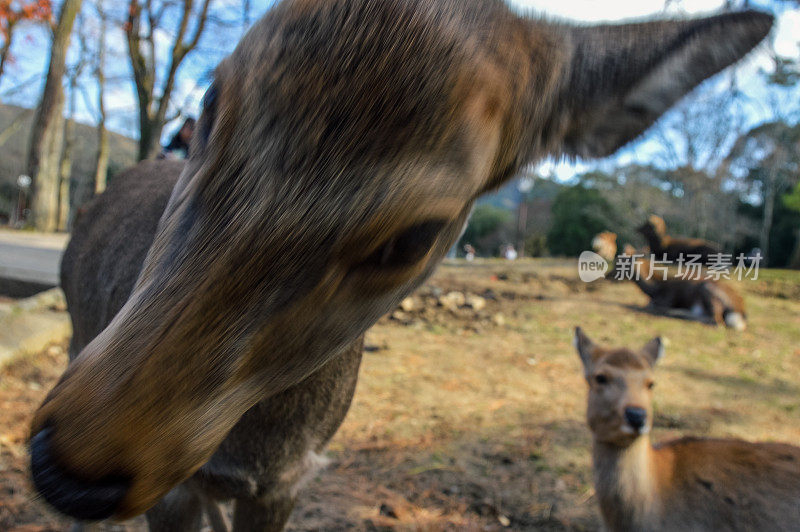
(31, 257)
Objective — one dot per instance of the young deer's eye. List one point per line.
(601, 379)
(406, 248)
(651, 385)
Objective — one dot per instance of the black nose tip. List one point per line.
(87, 501)
(635, 416)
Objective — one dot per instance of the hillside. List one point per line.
(13, 152)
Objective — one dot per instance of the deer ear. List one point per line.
(621, 78)
(585, 348)
(653, 351)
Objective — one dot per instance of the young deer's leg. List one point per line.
(263, 515)
(180, 510)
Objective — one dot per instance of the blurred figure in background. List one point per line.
(178, 147)
(469, 252)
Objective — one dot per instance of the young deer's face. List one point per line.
(337, 158)
(620, 389)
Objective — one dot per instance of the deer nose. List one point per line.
(635, 417)
(75, 497)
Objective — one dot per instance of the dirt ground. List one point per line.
(470, 417)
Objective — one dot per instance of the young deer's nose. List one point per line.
(635, 417)
(72, 496)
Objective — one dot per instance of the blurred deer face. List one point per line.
(339, 153)
(620, 389)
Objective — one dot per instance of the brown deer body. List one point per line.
(708, 299)
(686, 484)
(661, 244)
(340, 150)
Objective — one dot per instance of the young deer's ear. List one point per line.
(653, 351)
(623, 77)
(585, 348)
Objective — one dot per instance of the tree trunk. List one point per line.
(149, 141)
(65, 177)
(101, 161)
(44, 151)
(4, 52)
(152, 109)
(794, 261)
(101, 168)
(766, 225)
(65, 170)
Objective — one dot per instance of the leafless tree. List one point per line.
(47, 134)
(101, 160)
(145, 18)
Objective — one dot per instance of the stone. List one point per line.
(453, 300)
(476, 303)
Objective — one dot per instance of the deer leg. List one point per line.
(216, 519)
(713, 308)
(263, 515)
(180, 510)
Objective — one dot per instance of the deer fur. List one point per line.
(686, 484)
(340, 150)
(695, 298)
(605, 245)
(654, 231)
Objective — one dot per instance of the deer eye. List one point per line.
(406, 248)
(651, 385)
(209, 112)
(601, 379)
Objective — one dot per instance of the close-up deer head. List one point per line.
(339, 153)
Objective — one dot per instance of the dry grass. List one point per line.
(457, 426)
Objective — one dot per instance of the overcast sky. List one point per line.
(30, 54)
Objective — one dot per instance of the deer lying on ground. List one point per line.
(605, 245)
(654, 231)
(686, 484)
(694, 298)
(218, 307)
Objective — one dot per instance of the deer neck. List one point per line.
(626, 484)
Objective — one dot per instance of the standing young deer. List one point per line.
(218, 307)
(686, 484)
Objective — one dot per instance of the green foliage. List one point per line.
(579, 213)
(792, 200)
(488, 228)
(536, 245)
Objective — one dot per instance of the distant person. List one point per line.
(469, 252)
(511, 253)
(178, 147)
(754, 257)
